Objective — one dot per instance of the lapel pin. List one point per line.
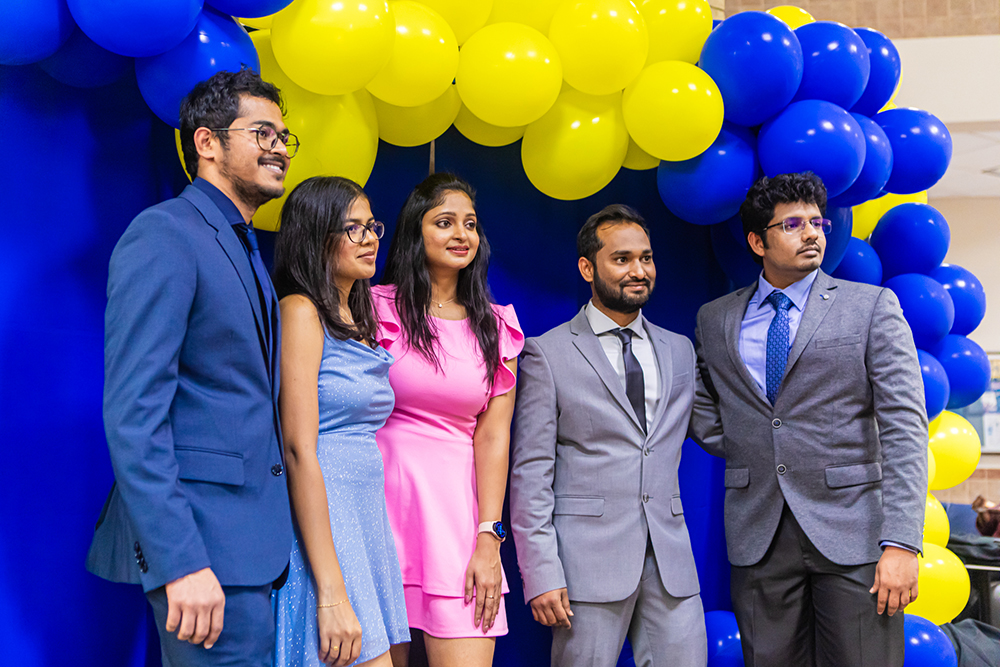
(824, 296)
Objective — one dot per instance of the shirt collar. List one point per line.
(798, 292)
(224, 203)
(602, 324)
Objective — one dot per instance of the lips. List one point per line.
(459, 249)
(367, 255)
(274, 165)
(813, 248)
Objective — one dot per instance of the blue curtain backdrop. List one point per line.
(84, 163)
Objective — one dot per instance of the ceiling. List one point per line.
(975, 162)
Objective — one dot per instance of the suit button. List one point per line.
(776, 423)
(782, 469)
(276, 470)
(645, 497)
(138, 550)
(646, 451)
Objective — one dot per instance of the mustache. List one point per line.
(811, 246)
(633, 283)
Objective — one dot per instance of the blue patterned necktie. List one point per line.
(635, 382)
(777, 343)
(249, 238)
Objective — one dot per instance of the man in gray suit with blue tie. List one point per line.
(810, 388)
(199, 511)
(603, 406)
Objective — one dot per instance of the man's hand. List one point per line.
(552, 608)
(895, 579)
(195, 605)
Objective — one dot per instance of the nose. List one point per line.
(810, 232)
(637, 270)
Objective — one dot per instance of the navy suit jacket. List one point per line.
(190, 407)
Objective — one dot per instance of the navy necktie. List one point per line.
(249, 238)
(777, 343)
(635, 382)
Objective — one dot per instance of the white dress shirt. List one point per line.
(641, 348)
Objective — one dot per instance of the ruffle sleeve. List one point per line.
(511, 344)
(389, 329)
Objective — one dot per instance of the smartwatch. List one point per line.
(494, 528)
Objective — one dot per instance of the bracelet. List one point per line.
(327, 606)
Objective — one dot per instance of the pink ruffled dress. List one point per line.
(430, 474)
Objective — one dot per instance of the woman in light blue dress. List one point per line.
(343, 602)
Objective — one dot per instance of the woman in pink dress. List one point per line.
(446, 443)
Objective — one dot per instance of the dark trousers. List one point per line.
(247, 638)
(796, 608)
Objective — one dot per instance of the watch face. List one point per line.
(498, 529)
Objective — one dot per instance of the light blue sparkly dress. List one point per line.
(355, 399)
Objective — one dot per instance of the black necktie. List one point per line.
(635, 383)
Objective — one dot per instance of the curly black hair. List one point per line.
(757, 210)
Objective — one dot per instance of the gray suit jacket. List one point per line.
(587, 486)
(845, 444)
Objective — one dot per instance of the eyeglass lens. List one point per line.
(792, 225)
(267, 139)
(357, 233)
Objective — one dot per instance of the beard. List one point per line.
(249, 192)
(614, 297)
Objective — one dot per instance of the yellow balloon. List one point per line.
(956, 448)
(576, 148)
(603, 44)
(464, 16)
(888, 105)
(477, 130)
(937, 528)
(673, 110)
(263, 23)
(536, 13)
(931, 467)
(867, 215)
(414, 126)
(677, 29)
(333, 48)
(943, 585)
(794, 16)
(180, 153)
(509, 74)
(424, 58)
(638, 159)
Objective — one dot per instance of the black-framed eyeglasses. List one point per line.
(357, 232)
(794, 225)
(267, 137)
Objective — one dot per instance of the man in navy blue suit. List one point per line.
(199, 511)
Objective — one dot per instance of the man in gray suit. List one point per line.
(603, 406)
(810, 388)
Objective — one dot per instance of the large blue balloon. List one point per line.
(249, 9)
(921, 149)
(966, 292)
(860, 264)
(724, 646)
(838, 238)
(885, 70)
(31, 30)
(876, 169)
(911, 238)
(968, 369)
(835, 63)
(926, 306)
(733, 253)
(83, 64)
(756, 61)
(926, 644)
(817, 136)
(936, 387)
(217, 43)
(709, 188)
(136, 28)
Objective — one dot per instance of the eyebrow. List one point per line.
(359, 219)
(267, 123)
(647, 251)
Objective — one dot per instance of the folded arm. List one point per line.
(706, 419)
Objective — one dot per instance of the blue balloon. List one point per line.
(31, 30)
(724, 645)
(249, 9)
(921, 149)
(927, 308)
(835, 63)
(966, 292)
(936, 387)
(885, 70)
(838, 238)
(926, 644)
(709, 188)
(217, 43)
(968, 369)
(756, 61)
(911, 238)
(860, 264)
(875, 170)
(136, 28)
(83, 64)
(817, 136)
(733, 253)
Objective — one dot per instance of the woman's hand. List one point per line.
(339, 635)
(483, 579)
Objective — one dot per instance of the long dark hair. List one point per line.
(312, 227)
(406, 268)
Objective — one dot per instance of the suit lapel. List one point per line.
(590, 347)
(665, 364)
(734, 324)
(821, 297)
